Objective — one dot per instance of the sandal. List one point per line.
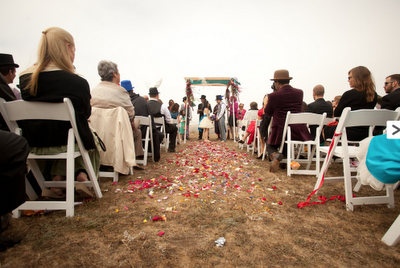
(51, 194)
(83, 190)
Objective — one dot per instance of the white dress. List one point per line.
(206, 123)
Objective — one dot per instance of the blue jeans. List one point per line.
(221, 124)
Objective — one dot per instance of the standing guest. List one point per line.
(233, 107)
(14, 152)
(216, 125)
(200, 110)
(158, 110)
(206, 124)
(52, 79)
(362, 95)
(319, 106)
(108, 94)
(285, 98)
(142, 109)
(7, 75)
(188, 113)
(220, 118)
(182, 119)
(174, 111)
(240, 114)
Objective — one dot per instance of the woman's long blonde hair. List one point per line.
(363, 82)
(52, 49)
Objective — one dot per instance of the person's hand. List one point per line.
(133, 125)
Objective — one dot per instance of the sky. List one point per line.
(318, 41)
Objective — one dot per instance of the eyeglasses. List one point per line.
(388, 82)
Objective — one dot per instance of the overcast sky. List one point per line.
(317, 41)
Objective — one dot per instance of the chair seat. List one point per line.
(352, 151)
(53, 156)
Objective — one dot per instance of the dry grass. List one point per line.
(258, 234)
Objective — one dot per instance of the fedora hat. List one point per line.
(203, 97)
(153, 90)
(218, 97)
(281, 75)
(127, 85)
(7, 59)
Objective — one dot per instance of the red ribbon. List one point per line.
(322, 198)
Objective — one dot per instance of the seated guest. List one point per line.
(174, 111)
(142, 109)
(392, 87)
(170, 104)
(285, 98)
(251, 115)
(108, 94)
(14, 151)
(158, 110)
(362, 95)
(335, 102)
(319, 106)
(52, 79)
(7, 75)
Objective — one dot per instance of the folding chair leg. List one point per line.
(347, 184)
(392, 235)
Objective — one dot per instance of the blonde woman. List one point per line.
(362, 95)
(52, 79)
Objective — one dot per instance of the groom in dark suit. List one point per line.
(286, 98)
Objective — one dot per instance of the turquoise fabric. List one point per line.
(383, 159)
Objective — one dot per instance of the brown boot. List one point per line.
(274, 162)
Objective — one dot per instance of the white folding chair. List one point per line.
(114, 128)
(370, 118)
(392, 236)
(161, 123)
(26, 110)
(246, 124)
(148, 139)
(312, 145)
(251, 147)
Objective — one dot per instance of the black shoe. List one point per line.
(5, 219)
(6, 242)
(260, 157)
(171, 150)
(137, 168)
(241, 142)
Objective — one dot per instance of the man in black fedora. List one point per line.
(7, 75)
(159, 109)
(200, 110)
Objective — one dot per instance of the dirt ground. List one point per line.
(206, 191)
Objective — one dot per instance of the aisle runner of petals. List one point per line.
(209, 174)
